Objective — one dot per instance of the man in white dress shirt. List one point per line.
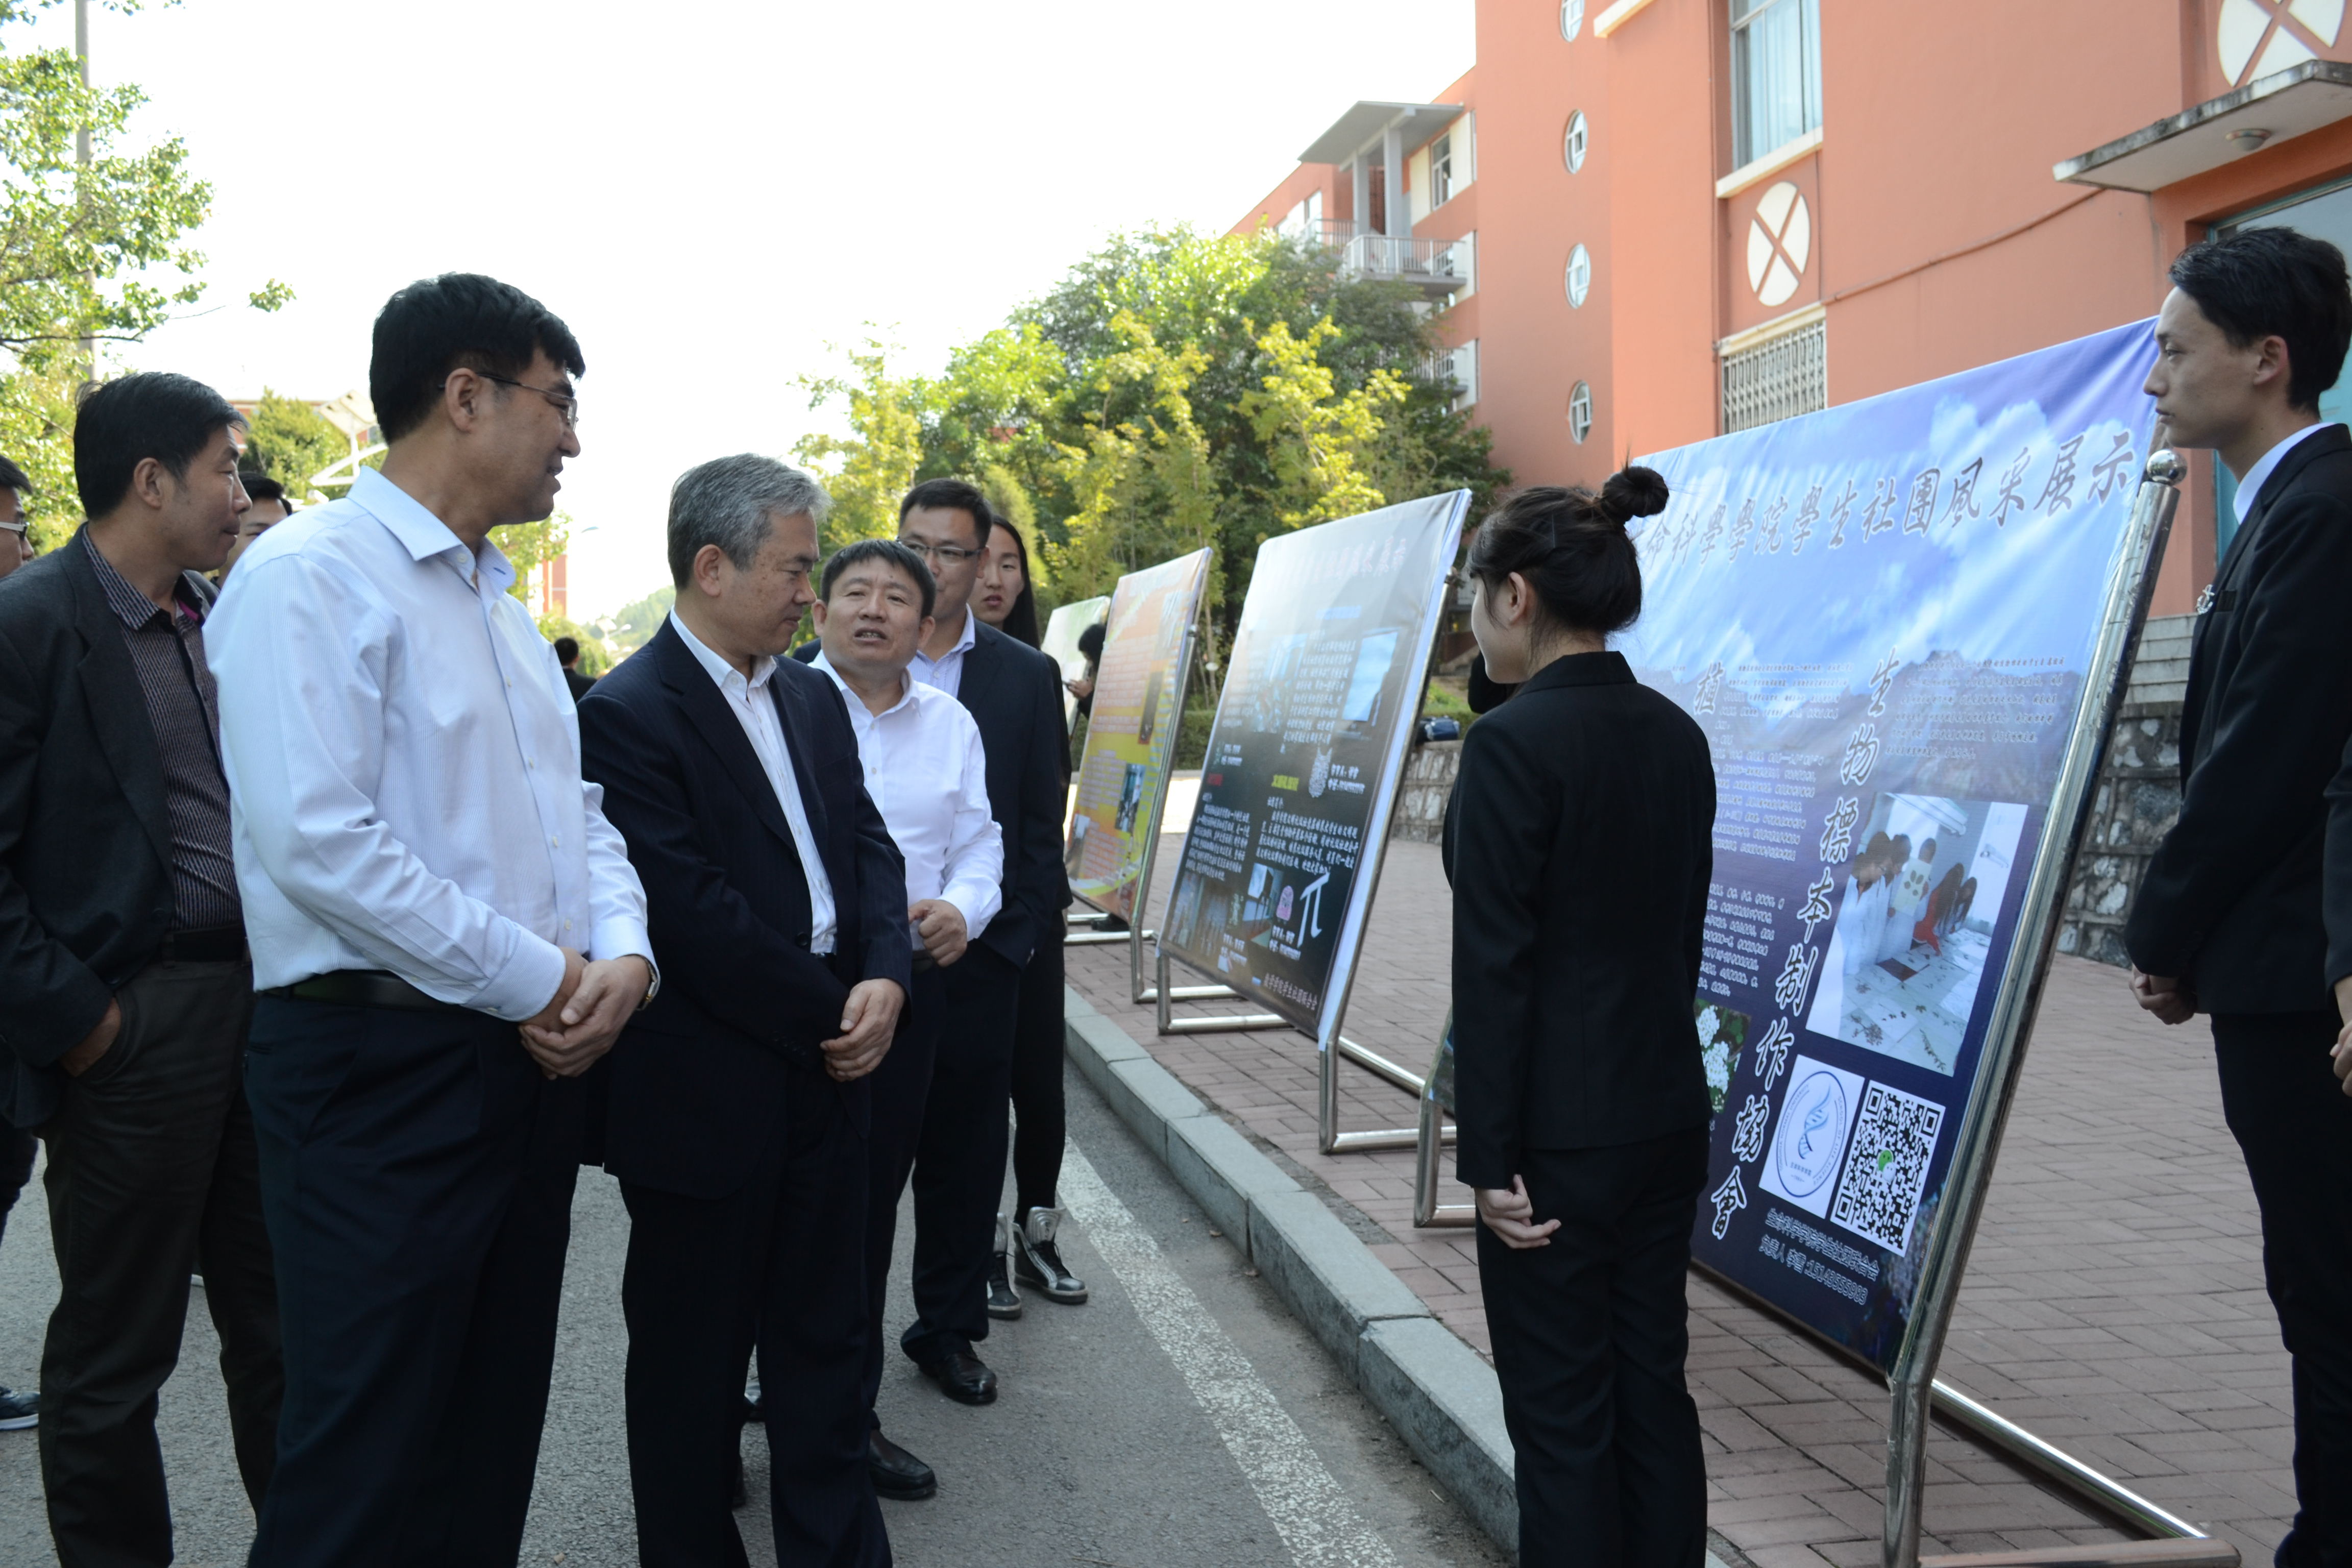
(445, 932)
(924, 766)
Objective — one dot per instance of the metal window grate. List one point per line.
(1776, 380)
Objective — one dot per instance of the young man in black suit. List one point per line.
(738, 1105)
(1014, 694)
(123, 971)
(2231, 919)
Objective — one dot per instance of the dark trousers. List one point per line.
(1590, 1340)
(152, 1175)
(901, 1085)
(417, 1173)
(775, 1262)
(1038, 1052)
(17, 1149)
(2294, 1125)
(959, 1160)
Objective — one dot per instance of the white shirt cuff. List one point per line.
(527, 984)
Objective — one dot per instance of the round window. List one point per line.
(1572, 19)
(1580, 412)
(1579, 135)
(1579, 275)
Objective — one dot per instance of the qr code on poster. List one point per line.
(1886, 1166)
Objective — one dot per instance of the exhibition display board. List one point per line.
(1905, 625)
(1060, 644)
(1304, 762)
(1133, 726)
(1885, 616)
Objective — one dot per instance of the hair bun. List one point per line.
(1633, 492)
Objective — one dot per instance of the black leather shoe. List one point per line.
(897, 1475)
(962, 1377)
(755, 1405)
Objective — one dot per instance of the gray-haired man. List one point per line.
(739, 1100)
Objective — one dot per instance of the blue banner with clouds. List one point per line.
(1884, 616)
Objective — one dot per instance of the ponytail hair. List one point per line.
(1572, 549)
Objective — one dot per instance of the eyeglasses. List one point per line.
(945, 555)
(15, 527)
(566, 403)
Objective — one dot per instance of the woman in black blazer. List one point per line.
(1579, 848)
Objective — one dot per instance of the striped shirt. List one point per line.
(167, 649)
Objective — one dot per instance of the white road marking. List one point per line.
(1318, 1522)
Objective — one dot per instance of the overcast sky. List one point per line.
(710, 192)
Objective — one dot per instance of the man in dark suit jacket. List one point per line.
(1014, 694)
(2230, 919)
(124, 982)
(737, 1114)
(567, 654)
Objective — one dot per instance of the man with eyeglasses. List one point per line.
(446, 932)
(15, 485)
(1014, 694)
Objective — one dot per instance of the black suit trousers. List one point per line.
(417, 1173)
(1040, 1123)
(152, 1174)
(775, 1263)
(1590, 1335)
(902, 1085)
(2294, 1125)
(960, 1161)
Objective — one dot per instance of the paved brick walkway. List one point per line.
(2114, 1305)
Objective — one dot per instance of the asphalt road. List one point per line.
(1183, 1417)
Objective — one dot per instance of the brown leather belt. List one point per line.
(363, 988)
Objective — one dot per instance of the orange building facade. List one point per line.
(1646, 223)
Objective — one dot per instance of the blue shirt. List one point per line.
(403, 764)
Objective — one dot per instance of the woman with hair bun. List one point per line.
(1579, 847)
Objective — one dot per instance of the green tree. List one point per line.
(528, 545)
(97, 251)
(867, 472)
(636, 624)
(289, 441)
(1171, 390)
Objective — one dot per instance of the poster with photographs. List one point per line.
(1132, 729)
(1321, 690)
(1060, 644)
(1884, 616)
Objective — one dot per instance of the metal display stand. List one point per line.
(1911, 1384)
(1328, 1048)
(1428, 1213)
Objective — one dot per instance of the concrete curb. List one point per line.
(1441, 1398)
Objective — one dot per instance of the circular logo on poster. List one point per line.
(2258, 38)
(1813, 1134)
(1780, 240)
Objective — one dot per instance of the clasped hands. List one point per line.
(583, 1018)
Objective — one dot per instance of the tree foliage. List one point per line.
(636, 624)
(1172, 390)
(95, 252)
(528, 545)
(289, 441)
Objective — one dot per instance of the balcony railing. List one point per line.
(1438, 267)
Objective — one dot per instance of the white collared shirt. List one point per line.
(945, 672)
(403, 764)
(754, 707)
(928, 775)
(2249, 489)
